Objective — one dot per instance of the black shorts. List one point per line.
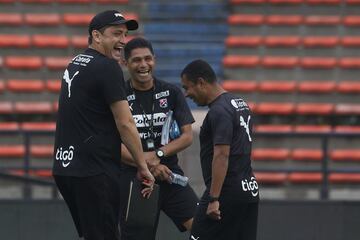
(177, 202)
(94, 205)
(238, 221)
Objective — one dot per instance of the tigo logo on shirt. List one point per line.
(65, 156)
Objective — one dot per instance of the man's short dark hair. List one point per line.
(199, 69)
(137, 42)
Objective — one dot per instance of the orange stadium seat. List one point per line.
(9, 126)
(23, 62)
(312, 41)
(13, 19)
(314, 108)
(270, 177)
(235, 2)
(33, 107)
(14, 40)
(77, 19)
(42, 19)
(305, 178)
(279, 61)
(271, 154)
(56, 106)
(350, 41)
(316, 86)
(344, 178)
(282, 41)
(38, 126)
(112, 1)
(318, 62)
(17, 85)
(75, 1)
(275, 108)
(234, 61)
(50, 41)
(312, 128)
(348, 87)
(352, 2)
(53, 85)
(284, 2)
(322, 20)
(324, 2)
(57, 63)
(6, 108)
(272, 128)
(12, 151)
(37, 1)
(349, 62)
(42, 151)
(2, 86)
(347, 129)
(347, 109)
(345, 155)
(303, 154)
(239, 85)
(246, 19)
(351, 21)
(79, 41)
(243, 41)
(290, 20)
(277, 86)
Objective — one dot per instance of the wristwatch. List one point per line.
(213, 199)
(159, 153)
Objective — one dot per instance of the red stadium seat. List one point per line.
(277, 86)
(285, 2)
(56, 106)
(112, 1)
(16, 85)
(350, 62)
(272, 128)
(322, 20)
(243, 41)
(79, 41)
(344, 178)
(38, 126)
(36, 1)
(345, 155)
(352, 2)
(9, 126)
(351, 21)
(279, 62)
(50, 41)
(236, 2)
(13, 19)
(275, 108)
(239, 86)
(270, 177)
(302, 154)
(271, 154)
(53, 85)
(42, 19)
(75, 1)
(2, 86)
(350, 41)
(23, 62)
(305, 178)
(57, 63)
(12, 151)
(6, 108)
(348, 87)
(246, 19)
(289, 20)
(347, 129)
(312, 128)
(14, 40)
(323, 2)
(282, 41)
(234, 61)
(312, 41)
(33, 108)
(314, 108)
(347, 109)
(42, 151)
(316, 86)
(7, 1)
(318, 62)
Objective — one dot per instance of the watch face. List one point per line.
(160, 153)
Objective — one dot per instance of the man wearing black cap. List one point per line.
(93, 113)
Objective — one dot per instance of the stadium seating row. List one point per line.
(67, 1)
(292, 2)
(30, 86)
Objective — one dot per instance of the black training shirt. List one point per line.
(229, 122)
(87, 140)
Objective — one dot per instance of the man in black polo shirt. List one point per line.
(150, 99)
(229, 206)
(93, 113)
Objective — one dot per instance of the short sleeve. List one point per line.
(182, 111)
(113, 82)
(221, 125)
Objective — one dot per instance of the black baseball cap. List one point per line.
(111, 17)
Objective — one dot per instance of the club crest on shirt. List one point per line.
(163, 103)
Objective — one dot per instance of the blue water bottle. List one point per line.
(178, 179)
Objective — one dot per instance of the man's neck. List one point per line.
(142, 86)
(214, 92)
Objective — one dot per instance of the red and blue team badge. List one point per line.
(163, 103)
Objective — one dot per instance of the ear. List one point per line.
(201, 82)
(96, 35)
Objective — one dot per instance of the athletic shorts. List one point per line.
(177, 202)
(238, 221)
(94, 205)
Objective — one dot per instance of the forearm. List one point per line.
(219, 170)
(126, 156)
(180, 143)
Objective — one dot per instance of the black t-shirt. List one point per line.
(87, 140)
(154, 104)
(229, 122)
